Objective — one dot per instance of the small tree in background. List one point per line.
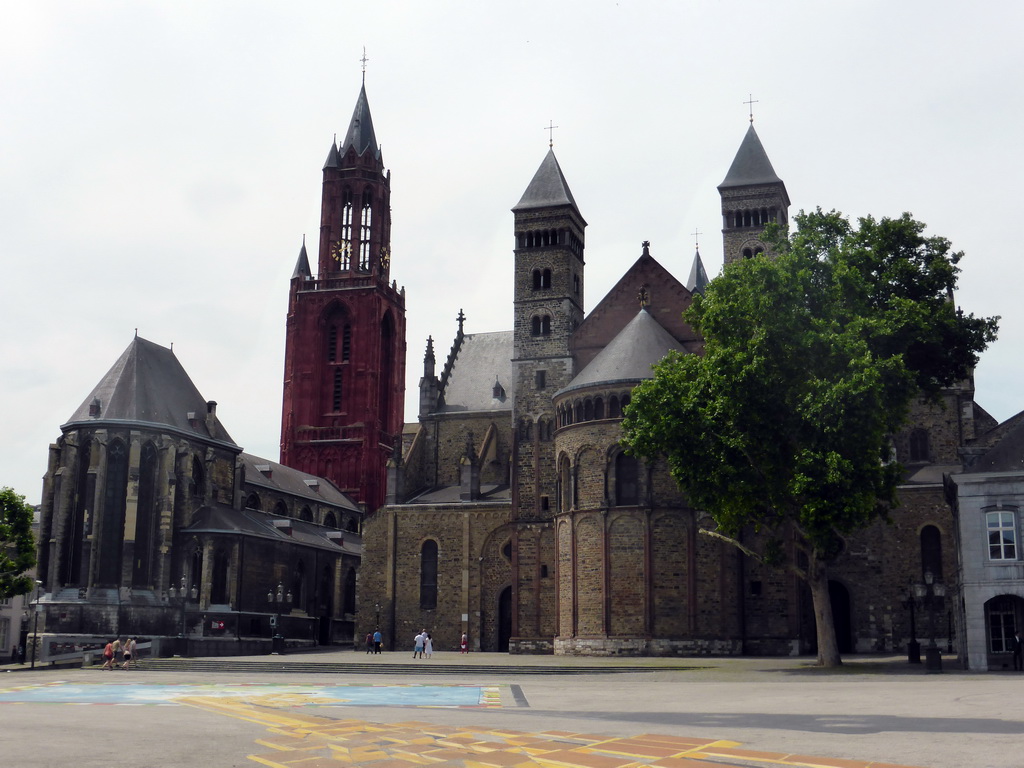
(17, 544)
(784, 425)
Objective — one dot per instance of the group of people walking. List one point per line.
(117, 652)
(374, 641)
(422, 644)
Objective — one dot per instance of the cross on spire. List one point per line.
(696, 239)
(550, 128)
(364, 60)
(750, 102)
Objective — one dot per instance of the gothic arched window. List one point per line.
(345, 246)
(364, 231)
(115, 494)
(145, 517)
(428, 575)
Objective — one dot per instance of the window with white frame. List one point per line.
(5, 631)
(1002, 535)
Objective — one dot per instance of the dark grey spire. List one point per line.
(302, 265)
(698, 278)
(333, 160)
(751, 164)
(360, 131)
(548, 187)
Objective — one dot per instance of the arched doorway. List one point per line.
(504, 619)
(839, 596)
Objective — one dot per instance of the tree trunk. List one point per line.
(817, 580)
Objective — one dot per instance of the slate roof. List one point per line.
(548, 188)
(147, 385)
(1007, 455)
(360, 131)
(291, 481)
(452, 494)
(751, 164)
(222, 518)
(482, 359)
(629, 356)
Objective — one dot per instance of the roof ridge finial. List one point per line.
(750, 102)
(364, 60)
(550, 128)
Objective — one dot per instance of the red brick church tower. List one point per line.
(344, 369)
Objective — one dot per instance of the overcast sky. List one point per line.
(160, 163)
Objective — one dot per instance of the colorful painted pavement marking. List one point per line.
(298, 739)
(268, 694)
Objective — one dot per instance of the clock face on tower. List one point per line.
(385, 257)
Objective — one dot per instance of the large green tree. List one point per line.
(782, 430)
(17, 544)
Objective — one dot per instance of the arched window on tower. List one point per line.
(336, 391)
(364, 231)
(345, 260)
(428, 575)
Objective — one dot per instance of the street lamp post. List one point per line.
(35, 625)
(913, 647)
(376, 625)
(279, 600)
(181, 596)
(931, 592)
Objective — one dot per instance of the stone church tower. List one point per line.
(548, 307)
(345, 342)
(752, 197)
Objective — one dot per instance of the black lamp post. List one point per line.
(35, 625)
(278, 600)
(913, 647)
(181, 597)
(931, 592)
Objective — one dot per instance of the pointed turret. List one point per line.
(302, 264)
(753, 196)
(360, 134)
(751, 165)
(333, 159)
(548, 188)
(698, 278)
